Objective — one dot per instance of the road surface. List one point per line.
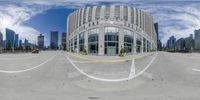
(57, 75)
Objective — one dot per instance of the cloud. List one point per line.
(178, 18)
(13, 15)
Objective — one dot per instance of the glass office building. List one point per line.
(54, 40)
(105, 30)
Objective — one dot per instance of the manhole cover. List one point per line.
(93, 97)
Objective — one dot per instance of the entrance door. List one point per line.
(111, 51)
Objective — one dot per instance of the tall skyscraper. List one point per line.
(16, 45)
(156, 29)
(54, 40)
(41, 41)
(10, 38)
(171, 42)
(26, 44)
(1, 42)
(63, 41)
(159, 47)
(197, 39)
(20, 43)
(189, 43)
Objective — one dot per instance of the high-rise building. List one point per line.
(171, 42)
(41, 41)
(20, 43)
(4, 44)
(159, 47)
(26, 43)
(158, 41)
(1, 42)
(10, 38)
(107, 29)
(16, 45)
(54, 40)
(189, 43)
(63, 41)
(180, 45)
(197, 39)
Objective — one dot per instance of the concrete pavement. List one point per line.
(168, 77)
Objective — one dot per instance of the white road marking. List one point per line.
(149, 64)
(17, 58)
(111, 80)
(132, 72)
(195, 69)
(20, 71)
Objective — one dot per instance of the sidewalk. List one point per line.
(105, 58)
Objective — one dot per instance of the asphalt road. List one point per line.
(56, 75)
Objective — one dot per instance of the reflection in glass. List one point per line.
(93, 39)
(128, 41)
(111, 40)
(81, 42)
(138, 43)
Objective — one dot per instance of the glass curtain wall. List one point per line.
(111, 40)
(93, 40)
(125, 13)
(128, 41)
(98, 12)
(117, 12)
(81, 42)
(90, 14)
(69, 45)
(72, 50)
(148, 46)
(138, 43)
(107, 12)
(75, 44)
(144, 44)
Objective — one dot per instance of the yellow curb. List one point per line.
(124, 60)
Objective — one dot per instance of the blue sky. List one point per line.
(29, 18)
(52, 19)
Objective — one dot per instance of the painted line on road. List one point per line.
(17, 58)
(111, 80)
(20, 71)
(149, 64)
(132, 71)
(195, 69)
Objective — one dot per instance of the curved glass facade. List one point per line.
(128, 41)
(81, 42)
(93, 40)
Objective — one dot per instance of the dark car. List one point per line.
(35, 51)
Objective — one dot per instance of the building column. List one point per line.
(86, 40)
(121, 39)
(101, 41)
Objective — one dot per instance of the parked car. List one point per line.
(35, 51)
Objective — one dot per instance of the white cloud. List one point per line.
(176, 18)
(12, 16)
